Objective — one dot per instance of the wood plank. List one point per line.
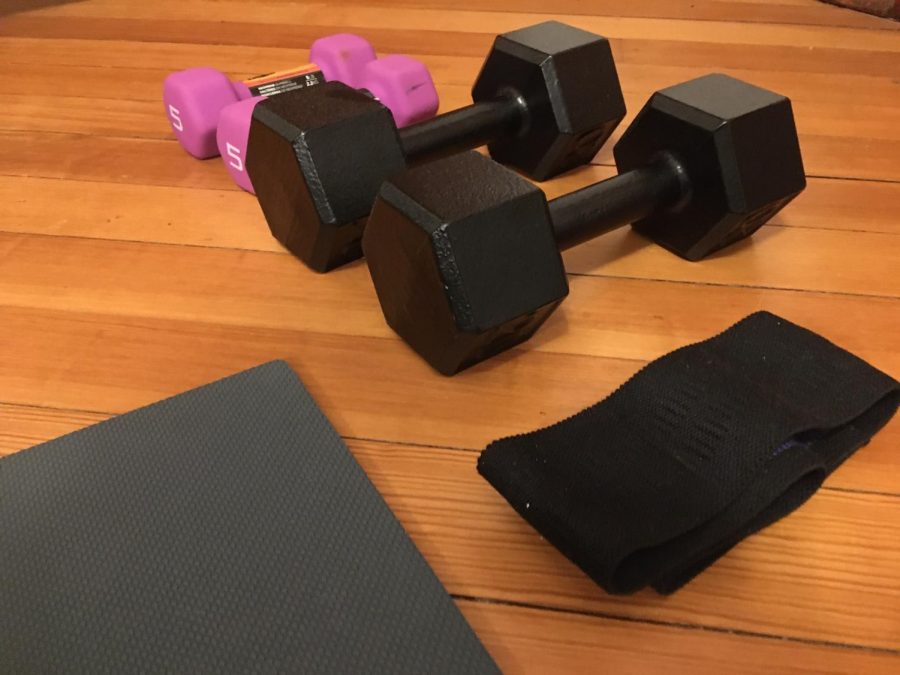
(788, 12)
(831, 126)
(845, 205)
(832, 554)
(227, 218)
(163, 162)
(798, 12)
(79, 115)
(58, 74)
(105, 115)
(24, 426)
(662, 51)
(840, 554)
(182, 216)
(106, 159)
(423, 19)
(120, 53)
(787, 258)
(259, 289)
(775, 257)
(30, 119)
(823, 573)
(528, 640)
(769, 57)
(136, 161)
(523, 389)
(825, 156)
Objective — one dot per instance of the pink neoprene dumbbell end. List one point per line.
(342, 57)
(233, 136)
(404, 85)
(193, 99)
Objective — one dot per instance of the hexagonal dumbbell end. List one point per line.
(404, 85)
(569, 79)
(316, 158)
(399, 82)
(342, 57)
(193, 99)
(737, 144)
(464, 260)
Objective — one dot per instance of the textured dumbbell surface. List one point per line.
(546, 99)
(330, 152)
(568, 78)
(737, 142)
(464, 253)
(401, 83)
(463, 273)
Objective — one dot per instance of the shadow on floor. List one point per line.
(8, 7)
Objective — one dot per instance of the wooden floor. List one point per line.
(130, 272)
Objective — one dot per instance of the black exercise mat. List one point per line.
(227, 529)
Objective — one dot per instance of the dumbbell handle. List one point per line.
(462, 129)
(587, 213)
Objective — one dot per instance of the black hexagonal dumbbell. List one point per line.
(546, 99)
(464, 253)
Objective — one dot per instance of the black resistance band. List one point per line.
(699, 449)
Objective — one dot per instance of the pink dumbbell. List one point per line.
(194, 98)
(402, 84)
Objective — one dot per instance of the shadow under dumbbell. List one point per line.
(556, 327)
(593, 256)
(763, 235)
(591, 259)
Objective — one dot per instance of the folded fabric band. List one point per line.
(699, 449)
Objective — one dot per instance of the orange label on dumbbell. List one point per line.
(281, 81)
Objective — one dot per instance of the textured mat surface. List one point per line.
(227, 529)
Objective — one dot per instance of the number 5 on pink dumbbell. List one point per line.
(196, 98)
